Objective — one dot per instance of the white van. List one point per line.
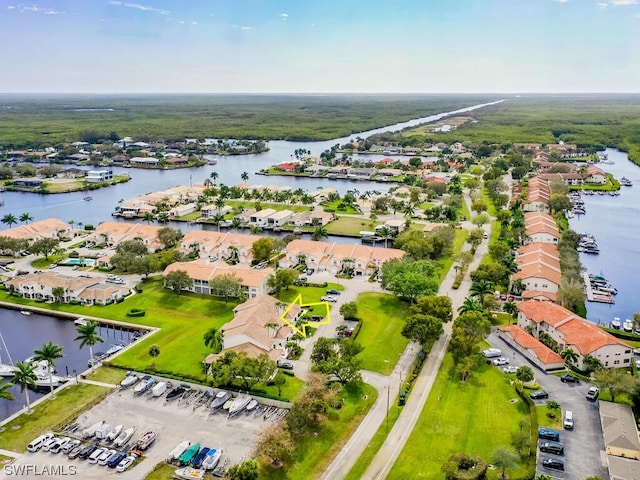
(37, 444)
(568, 420)
(492, 352)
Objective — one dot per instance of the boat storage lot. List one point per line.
(173, 423)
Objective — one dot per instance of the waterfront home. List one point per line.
(333, 258)
(538, 196)
(534, 350)
(88, 291)
(235, 247)
(361, 173)
(47, 228)
(144, 162)
(257, 329)
(110, 234)
(595, 175)
(539, 277)
(95, 176)
(210, 211)
(279, 219)
(540, 227)
(568, 330)
(324, 193)
(571, 178)
(135, 208)
(311, 219)
(253, 282)
(182, 210)
(396, 226)
(259, 218)
(245, 216)
(27, 182)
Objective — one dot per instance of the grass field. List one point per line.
(383, 318)
(351, 226)
(50, 415)
(149, 117)
(473, 417)
(162, 471)
(313, 453)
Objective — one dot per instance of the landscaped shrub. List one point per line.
(136, 312)
(462, 466)
(356, 330)
(75, 302)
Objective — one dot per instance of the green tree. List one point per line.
(178, 281)
(26, 218)
(26, 377)
(247, 470)
(511, 308)
(279, 381)
(521, 441)
(154, 352)
(319, 233)
(213, 339)
(282, 278)
(58, 293)
(217, 219)
(409, 279)
(49, 352)
(569, 355)
(524, 374)
(615, 381)
(504, 459)
(169, 237)
(9, 219)
(244, 176)
(275, 442)
(44, 246)
(552, 408)
(481, 288)
(385, 232)
(148, 217)
(470, 305)
(4, 391)
(163, 217)
(437, 306)
(263, 249)
(214, 177)
(228, 285)
(88, 335)
(341, 362)
(422, 328)
(349, 310)
(465, 366)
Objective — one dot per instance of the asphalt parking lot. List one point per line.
(584, 445)
(174, 423)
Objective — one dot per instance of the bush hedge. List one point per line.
(136, 312)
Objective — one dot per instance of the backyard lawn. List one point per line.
(474, 417)
(351, 226)
(383, 318)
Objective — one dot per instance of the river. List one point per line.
(614, 223)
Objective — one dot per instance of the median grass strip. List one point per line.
(50, 415)
(473, 417)
(383, 317)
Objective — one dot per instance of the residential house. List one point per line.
(253, 282)
(538, 196)
(210, 211)
(568, 330)
(279, 219)
(395, 225)
(111, 234)
(595, 175)
(571, 178)
(48, 228)
(135, 208)
(324, 193)
(220, 245)
(27, 182)
(535, 351)
(259, 218)
(539, 277)
(144, 162)
(361, 173)
(182, 210)
(311, 218)
(619, 430)
(95, 176)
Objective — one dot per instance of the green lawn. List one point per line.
(458, 242)
(107, 375)
(475, 417)
(162, 471)
(351, 226)
(265, 205)
(50, 415)
(314, 453)
(333, 207)
(383, 318)
(309, 294)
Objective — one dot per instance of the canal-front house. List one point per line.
(568, 330)
(539, 270)
(252, 282)
(96, 176)
(48, 228)
(111, 234)
(234, 247)
(87, 291)
(538, 196)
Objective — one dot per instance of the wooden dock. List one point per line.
(595, 297)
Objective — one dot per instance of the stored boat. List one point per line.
(179, 450)
(91, 431)
(129, 379)
(124, 437)
(114, 349)
(189, 473)
(199, 458)
(252, 404)
(212, 459)
(616, 323)
(25, 312)
(145, 440)
(159, 389)
(228, 404)
(176, 392)
(145, 384)
(80, 321)
(627, 326)
(189, 453)
(239, 404)
(113, 434)
(220, 399)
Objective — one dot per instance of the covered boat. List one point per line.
(177, 391)
(129, 379)
(199, 458)
(113, 434)
(124, 437)
(179, 450)
(189, 453)
(239, 404)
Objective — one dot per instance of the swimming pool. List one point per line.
(87, 262)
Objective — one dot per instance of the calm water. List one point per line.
(71, 206)
(24, 334)
(613, 221)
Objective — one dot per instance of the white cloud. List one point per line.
(284, 16)
(10, 7)
(561, 1)
(602, 4)
(138, 6)
(619, 3)
(245, 27)
(37, 9)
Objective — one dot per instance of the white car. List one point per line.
(510, 369)
(70, 445)
(49, 443)
(126, 463)
(57, 447)
(93, 458)
(500, 361)
(102, 460)
(329, 298)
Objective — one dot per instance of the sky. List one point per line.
(320, 46)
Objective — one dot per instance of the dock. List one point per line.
(595, 297)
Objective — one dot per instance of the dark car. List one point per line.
(285, 365)
(538, 394)
(552, 447)
(569, 379)
(553, 463)
(549, 434)
(115, 459)
(316, 318)
(333, 291)
(87, 451)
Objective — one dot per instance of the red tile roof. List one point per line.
(522, 338)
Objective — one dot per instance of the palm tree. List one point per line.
(552, 407)
(25, 377)
(480, 289)
(49, 352)
(4, 391)
(236, 223)
(88, 335)
(154, 351)
(469, 305)
(148, 217)
(319, 233)
(217, 219)
(219, 203)
(26, 218)
(244, 176)
(213, 339)
(569, 355)
(9, 219)
(214, 177)
(385, 232)
(511, 308)
(409, 210)
(163, 217)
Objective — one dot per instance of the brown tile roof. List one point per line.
(42, 228)
(203, 270)
(537, 295)
(542, 228)
(538, 270)
(548, 249)
(522, 338)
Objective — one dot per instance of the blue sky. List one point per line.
(442, 46)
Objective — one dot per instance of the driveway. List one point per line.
(584, 445)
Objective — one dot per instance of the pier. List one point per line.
(595, 297)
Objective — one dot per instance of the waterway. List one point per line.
(614, 223)
(71, 206)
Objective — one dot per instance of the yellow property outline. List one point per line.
(298, 301)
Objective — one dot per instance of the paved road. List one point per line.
(388, 453)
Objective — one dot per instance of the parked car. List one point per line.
(569, 379)
(549, 434)
(316, 318)
(492, 352)
(592, 393)
(500, 361)
(538, 394)
(46, 446)
(69, 446)
(555, 463)
(300, 281)
(568, 420)
(285, 365)
(115, 459)
(552, 447)
(310, 271)
(636, 351)
(53, 265)
(329, 298)
(96, 454)
(87, 451)
(510, 369)
(126, 463)
(75, 452)
(37, 444)
(333, 291)
(57, 447)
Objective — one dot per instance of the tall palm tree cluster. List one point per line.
(25, 375)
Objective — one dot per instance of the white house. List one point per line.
(95, 176)
(210, 211)
(260, 218)
(182, 210)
